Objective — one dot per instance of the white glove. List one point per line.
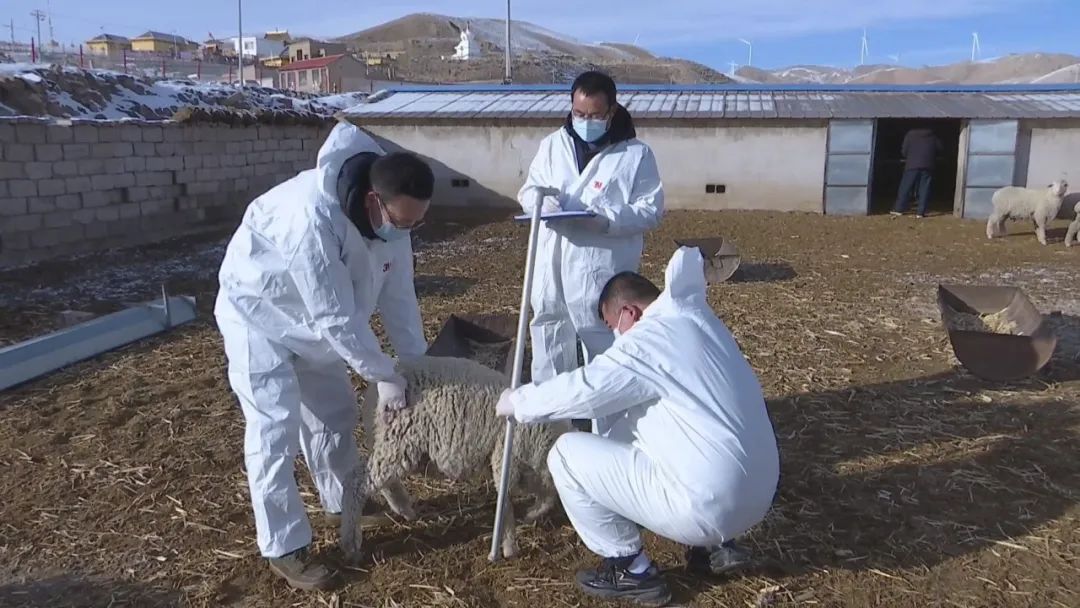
(392, 394)
(505, 407)
(551, 205)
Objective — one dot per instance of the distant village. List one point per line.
(273, 59)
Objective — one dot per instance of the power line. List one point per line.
(39, 16)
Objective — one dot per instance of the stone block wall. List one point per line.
(84, 187)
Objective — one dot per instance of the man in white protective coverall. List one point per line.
(597, 163)
(690, 453)
(313, 258)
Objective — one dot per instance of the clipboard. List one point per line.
(558, 215)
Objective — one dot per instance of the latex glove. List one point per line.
(392, 394)
(505, 407)
(551, 205)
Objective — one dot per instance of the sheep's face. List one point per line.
(1059, 188)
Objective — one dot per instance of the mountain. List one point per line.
(1011, 69)
(421, 41)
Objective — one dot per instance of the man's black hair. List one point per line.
(593, 83)
(627, 287)
(402, 173)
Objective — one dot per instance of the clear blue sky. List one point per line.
(783, 32)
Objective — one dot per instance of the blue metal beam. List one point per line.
(36, 357)
(740, 87)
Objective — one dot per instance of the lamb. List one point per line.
(1074, 228)
(451, 421)
(1016, 203)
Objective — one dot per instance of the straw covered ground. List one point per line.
(905, 482)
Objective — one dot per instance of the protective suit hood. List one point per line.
(684, 284)
(344, 142)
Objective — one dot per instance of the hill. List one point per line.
(1011, 69)
(540, 55)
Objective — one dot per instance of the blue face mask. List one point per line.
(589, 129)
(389, 232)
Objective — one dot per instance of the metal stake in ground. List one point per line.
(515, 376)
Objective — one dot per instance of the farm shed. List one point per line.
(823, 149)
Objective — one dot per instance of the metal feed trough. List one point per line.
(721, 257)
(995, 356)
(461, 334)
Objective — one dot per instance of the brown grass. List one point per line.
(905, 482)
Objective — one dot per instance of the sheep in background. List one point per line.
(1016, 203)
(451, 421)
(1074, 228)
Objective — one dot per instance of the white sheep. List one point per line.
(451, 421)
(1016, 203)
(1074, 228)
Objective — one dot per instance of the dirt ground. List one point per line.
(905, 481)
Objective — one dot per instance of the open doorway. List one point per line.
(888, 168)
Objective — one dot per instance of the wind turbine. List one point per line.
(734, 66)
(750, 52)
(864, 49)
(976, 50)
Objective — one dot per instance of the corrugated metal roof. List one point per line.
(734, 102)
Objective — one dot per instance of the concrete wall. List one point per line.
(1050, 150)
(82, 188)
(1054, 153)
(770, 165)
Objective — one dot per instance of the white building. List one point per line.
(468, 48)
(258, 48)
(821, 149)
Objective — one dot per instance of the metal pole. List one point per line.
(515, 376)
(240, 41)
(508, 78)
(38, 17)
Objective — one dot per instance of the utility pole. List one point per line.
(39, 17)
(240, 41)
(48, 9)
(508, 78)
(12, 26)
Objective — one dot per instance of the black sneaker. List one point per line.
(612, 581)
(302, 571)
(724, 559)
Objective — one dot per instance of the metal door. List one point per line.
(848, 165)
(990, 163)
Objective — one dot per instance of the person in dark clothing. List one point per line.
(919, 151)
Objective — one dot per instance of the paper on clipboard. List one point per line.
(558, 215)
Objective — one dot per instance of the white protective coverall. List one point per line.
(573, 263)
(691, 453)
(297, 289)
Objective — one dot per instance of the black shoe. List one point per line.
(612, 581)
(724, 559)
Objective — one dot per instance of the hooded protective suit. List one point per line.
(691, 453)
(297, 289)
(618, 179)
